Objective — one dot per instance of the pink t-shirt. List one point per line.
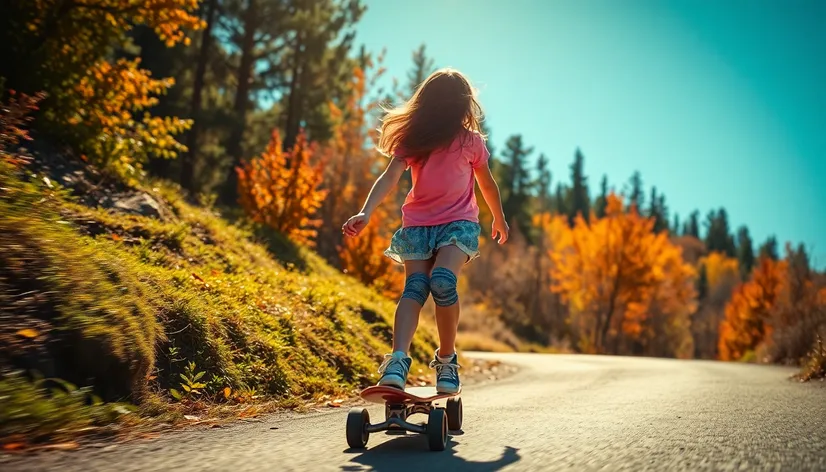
(443, 183)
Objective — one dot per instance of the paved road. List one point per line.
(558, 412)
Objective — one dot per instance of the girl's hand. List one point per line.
(500, 228)
(355, 224)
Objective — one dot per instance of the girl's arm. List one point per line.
(384, 185)
(381, 188)
(490, 191)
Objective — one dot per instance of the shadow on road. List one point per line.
(411, 453)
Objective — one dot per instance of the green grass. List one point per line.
(31, 411)
(122, 303)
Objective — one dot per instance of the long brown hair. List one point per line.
(441, 108)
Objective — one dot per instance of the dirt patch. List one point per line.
(485, 370)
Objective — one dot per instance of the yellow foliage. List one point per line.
(281, 189)
(110, 94)
(97, 103)
(610, 271)
(169, 18)
(720, 268)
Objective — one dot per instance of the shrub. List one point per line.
(281, 189)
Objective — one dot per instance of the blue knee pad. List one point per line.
(417, 287)
(443, 286)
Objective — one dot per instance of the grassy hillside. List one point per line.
(126, 304)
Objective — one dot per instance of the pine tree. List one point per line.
(675, 225)
(543, 183)
(298, 50)
(561, 202)
(718, 237)
(253, 28)
(657, 211)
(603, 196)
(319, 67)
(692, 225)
(799, 259)
(745, 252)
(636, 196)
(580, 200)
(663, 210)
(422, 68)
(189, 159)
(487, 132)
(516, 181)
(769, 249)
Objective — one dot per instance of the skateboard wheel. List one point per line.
(437, 429)
(357, 421)
(454, 413)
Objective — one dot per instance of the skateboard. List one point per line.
(401, 404)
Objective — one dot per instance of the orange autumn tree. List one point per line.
(281, 188)
(96, 103)
(799, 313)
(354, 165)
(610, 271)
(747, 321)
(363, 257)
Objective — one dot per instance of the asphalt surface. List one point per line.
(558, 412)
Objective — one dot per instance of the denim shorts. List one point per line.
(419, 243)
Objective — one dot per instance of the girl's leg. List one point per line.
(396, 366)
(449, 261)
(417, 284)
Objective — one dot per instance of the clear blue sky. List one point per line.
(717, 103)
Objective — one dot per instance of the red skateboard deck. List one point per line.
(385, 394)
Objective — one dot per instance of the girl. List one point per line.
(437, 135)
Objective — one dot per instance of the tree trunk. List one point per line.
(611, 308)
(536, 305)
(242, 98)
(293, 124)
(189, 158)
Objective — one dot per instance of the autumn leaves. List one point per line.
(302, 191)
(778, 315)
(281, 189)
(98, 103)
(626, 286)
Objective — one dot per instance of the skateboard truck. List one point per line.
(399, 405)
(398, 412)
